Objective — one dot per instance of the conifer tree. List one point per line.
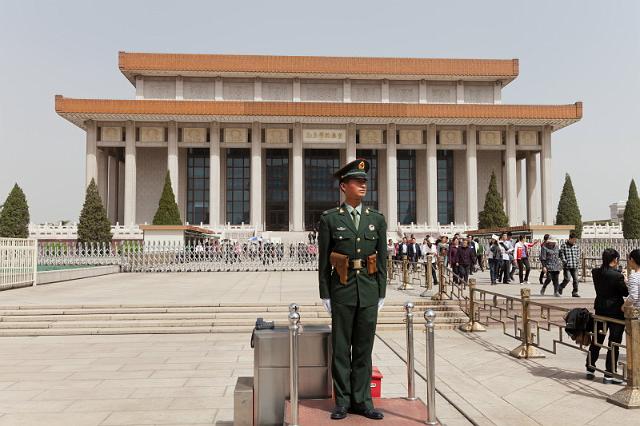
(568, 210)
(168, 212)
(493, 215)
(14, 216)
(94, 226)
(631, 218)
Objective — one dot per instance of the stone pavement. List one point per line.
(493, 388)
(142, 379)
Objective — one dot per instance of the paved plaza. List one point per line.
(189, 379)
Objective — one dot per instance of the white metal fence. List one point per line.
(18, 262)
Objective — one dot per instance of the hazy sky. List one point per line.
(569, 51)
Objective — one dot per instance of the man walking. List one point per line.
(570, 258)
(352, 274)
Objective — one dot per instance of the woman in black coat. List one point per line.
(610, 291)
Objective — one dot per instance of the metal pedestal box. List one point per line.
(271, 370)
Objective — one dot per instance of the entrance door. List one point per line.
(277, 190)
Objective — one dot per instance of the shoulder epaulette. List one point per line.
(326, 212)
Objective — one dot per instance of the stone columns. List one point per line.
(385, 91)
(351, 143)
(256, 176)
(533, 199)
(521, 207)
(172, 158)
(257, 89)
(392, 179)
(130, 174)
(179, 88)
(346, 90)
(472, 177)
(545, 179)
(218, 89)
(297, 171)
(139, 87)
(215, 186)
(91, 169)
(296, 90)
(432, 177)
(510, 177)
(460, 92)
(497, 92)
(422, 96)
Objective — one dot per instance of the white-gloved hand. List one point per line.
(327, 305)
(380, 303)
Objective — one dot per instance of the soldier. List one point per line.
(353, 278)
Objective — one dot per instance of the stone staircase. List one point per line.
(58, 320)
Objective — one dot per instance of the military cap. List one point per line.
(355, 169)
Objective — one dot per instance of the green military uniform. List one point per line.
(354, 305)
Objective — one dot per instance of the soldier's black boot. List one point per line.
(370, 413)
(339, 413)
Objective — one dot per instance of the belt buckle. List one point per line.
(357, 263)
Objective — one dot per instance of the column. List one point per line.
(533, 198)
(472, 178)
(121, 189)
(297, 172)
(460, 92)
(112, 189)
(392, 179)
(422, 97)
(218, 89)
(103, 175)
(432, 177)
(214, 174)
(139, 87)
(130, 175)
(296, 90)
(497, 92)
(351, 143)
(385, 91)
(346, 90)
(521, 199)
(257, 89)
(510, 177)
(256, 176)
(179, 88)
(172, 158)
(545, 178)
(91, 160)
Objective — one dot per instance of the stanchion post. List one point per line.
(411, 374)
(389, 268)
(441, 283)
(430, 316)
(629, 396)
(294, 319)
(526, 349)
(428, 276)
(473, 324)
(584, 269)
(405, 275)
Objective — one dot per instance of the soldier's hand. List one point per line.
(327, 305)
(380, 303)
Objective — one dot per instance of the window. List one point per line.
(198, 186)
(406, 186)
(238, 185)
(277, 190)
(445, 187)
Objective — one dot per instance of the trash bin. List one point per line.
(376, 383)
(271, 370)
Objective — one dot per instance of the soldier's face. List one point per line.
(354, 188)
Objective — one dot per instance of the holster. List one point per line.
(372, 263)
(340, 263)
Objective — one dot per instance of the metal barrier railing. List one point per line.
(411, 373)
(430, 316)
